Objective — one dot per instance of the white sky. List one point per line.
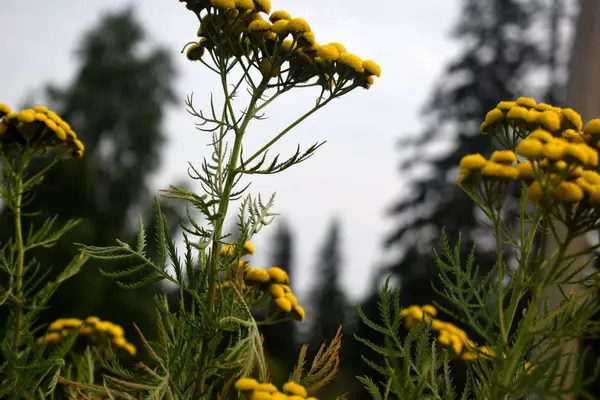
(354, 176)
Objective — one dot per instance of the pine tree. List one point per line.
(327, 301)
(116, 104)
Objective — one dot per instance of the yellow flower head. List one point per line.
(504, 157)
(246, 384)
(372, 67)
(541, 135)
(352, 61)
(265, 387)
(26, 116)
(307, 39)
(328, 53)
(300, 312)
(130, 348)
(292, 299)
(41, 109)
(582, 154)
(279, 15)
(430, 310)
(544, 107)
(195, 52)
(534, 192)
(267, 69)
(530, 148)
(295, 389)
(573, 118)
(298, 25)
(287, 46)
(369, 80)
(526, 102)
(4, 109)
(550, 120)
(554, 150)
(226, 4)
(494, 116)
(244, 4)
(261, 396)
(501, 171)
(280, 27)
(40, 116)
(60, 134)
(518, 113)
(263, 5)
(568, 192)
(276, 290)
(79, 147)
(278, 275)
(284, 304)
(572, 136)
(526, 170)
(592, 127)
(259, 25)
(115, 330)
(248, 248)
(505, 105)
(533, 116)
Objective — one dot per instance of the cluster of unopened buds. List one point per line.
(92, 331)
(37, 129)
(281, 47)
(547, 147)
(268, 391)
(449, 335)
(274, 281)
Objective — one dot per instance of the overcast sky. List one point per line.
(354, 176)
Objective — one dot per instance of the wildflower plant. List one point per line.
(26, 286)
(209, 345)
(552, 157)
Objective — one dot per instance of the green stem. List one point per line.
(20, 251)
(501, 274)
(222, 211)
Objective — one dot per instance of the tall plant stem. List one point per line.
(20, 247)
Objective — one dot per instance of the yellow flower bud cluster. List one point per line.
(92, 330)
(275, 281)
(38, 129)
(229, 249)
(268, 391)
(237, 28)
(449, 335)
(559, 160)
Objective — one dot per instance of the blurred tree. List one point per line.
(116, 104)
(279, 339)
(327, 300)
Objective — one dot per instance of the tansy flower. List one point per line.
(504, 157)
(569, 192)
(279, 15)
(494, 116)
(280, 27)
(265, 387)
(263, 5)
(573, 118)
(291, 298)
(550, 120)
(278, 275)
(544, 107)
(295, 389)
(328, 53)
(534, 192)
(258, 275)
(26, 116)
(298, 25)
(496, 170)
(276, 290)
(40, 116)
(526, 170)
(369, 80)
(41, 109)
(429, 310)
(267, 69)
(246, 384)
(372, 67)
(300, 312)
(287, 46)
(352, 61)
(340, 47)
(227, 4)
(518, 113)
(194, 52)
(541, 135)
(573, 136)
(259, 25)
(554, 150)
(592, 127)
(505, 105)
(530, 148)
(60, 133)
(307, 39)
(532, 116)
(244, 4)
(526, 102)
(4, 109)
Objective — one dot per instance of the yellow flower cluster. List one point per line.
(238, 28)
(275, 281)
(268, 391)
(38, 129)
(449, 335)
(93, 330)
(559, 161)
